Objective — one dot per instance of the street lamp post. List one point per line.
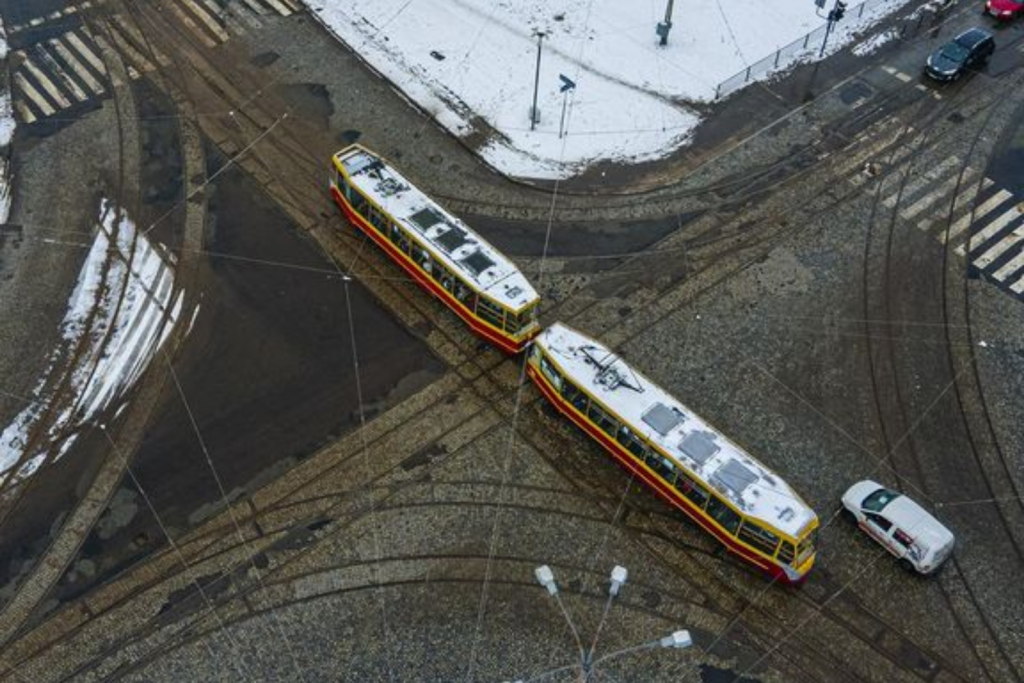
(534, 114)
(587, 665)
(664, 27)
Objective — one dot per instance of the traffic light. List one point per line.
(839, 11)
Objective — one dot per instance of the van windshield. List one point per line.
(879, 499)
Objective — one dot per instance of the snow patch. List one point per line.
(471, 65)
(118, 317)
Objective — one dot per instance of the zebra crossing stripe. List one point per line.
(963, 200)
(138, 60)
(48, 86)
(255, 7)
(210, 22)
(279, 7)
(26, 114)
(132, 35)
(66, 80)
(915, 185)
(78, 67)
(34, 96)
(1006, 218)
(931, 198)
(1018, 286)
(83, 49)
(1001, 247)
(978, 213)
(1010, 267)
(196, 30)
(979, 237)
(295, 7)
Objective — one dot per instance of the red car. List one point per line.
(1004, 9)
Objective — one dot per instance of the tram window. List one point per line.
(762, 539)
(575, 396)
(422, 258)
(377, 219)
(632, 442)
(786, 552)
(464, 294)
(552, 374)
(492, 313)
(602, 419)
(692, 490)
(667, 470)
(360, 204)
(723, 514)
(344, 187)
(512, 323)
(444, 277)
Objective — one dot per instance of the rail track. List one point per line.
(489, 382)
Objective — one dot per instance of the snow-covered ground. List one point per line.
(120, 314)
(462, 59)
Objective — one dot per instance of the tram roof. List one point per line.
(459, 247)
(678, 431)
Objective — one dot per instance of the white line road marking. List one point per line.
(209, 21)
(906, 78)
(985, 208)
(59, 71)
(88, 54)
(79, 68)
(281, 9)
(998, 250)
(51, 89)
(196, 30)
(1018, 287)
(992, 228)
(1011, 266)
(34, 95)
(26, 114)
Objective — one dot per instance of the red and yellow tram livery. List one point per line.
(444, 255)
(748, 508)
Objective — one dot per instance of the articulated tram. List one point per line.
(750, 509)
(439, 251)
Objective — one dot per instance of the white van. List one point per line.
(901, 525)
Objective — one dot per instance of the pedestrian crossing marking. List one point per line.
(90, 82)
(26, 114)
(65, 79)
(989, 225)
(47, 85)
(280, 7)
(194, 29)
(87, 53)
(34, 96)
(1000, 248)
(979, 238)
(1011, 267)
(209, 21)
(135, 58)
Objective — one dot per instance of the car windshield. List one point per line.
(954, 51)
(879, 499)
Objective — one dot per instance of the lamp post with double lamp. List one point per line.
(588, 663)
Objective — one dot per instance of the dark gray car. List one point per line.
(967, 51)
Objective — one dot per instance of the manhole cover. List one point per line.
(855, 92)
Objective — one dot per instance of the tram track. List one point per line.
(485, 369)
(887, 366)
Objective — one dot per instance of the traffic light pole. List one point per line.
(834, 15)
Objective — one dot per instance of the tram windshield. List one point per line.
(514, 322)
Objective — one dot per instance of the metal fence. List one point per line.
(784, 57)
